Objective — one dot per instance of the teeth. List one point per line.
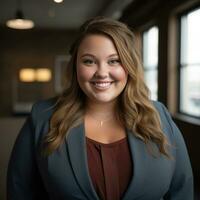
(102, 84)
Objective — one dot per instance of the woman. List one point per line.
(103, 138)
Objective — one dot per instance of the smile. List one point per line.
(102, 85)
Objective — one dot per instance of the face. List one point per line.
(99, 71)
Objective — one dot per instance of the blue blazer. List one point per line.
(64, 174)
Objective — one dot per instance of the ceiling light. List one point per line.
(58, 1)
(19, 22)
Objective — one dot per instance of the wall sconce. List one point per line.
(35, 75)
(43, 75)
(27, 75)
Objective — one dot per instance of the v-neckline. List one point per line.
(78, 156)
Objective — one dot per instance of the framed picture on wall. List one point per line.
(61, 63)
(30, 85)
(22, 97)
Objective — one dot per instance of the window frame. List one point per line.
(148, 27)
(180, 66)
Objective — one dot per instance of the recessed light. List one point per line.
(58, 1)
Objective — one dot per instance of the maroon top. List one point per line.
(110, 167)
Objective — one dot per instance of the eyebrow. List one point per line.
(112, 55)
(91, 55)
(87, 54)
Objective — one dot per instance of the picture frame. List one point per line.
(61, 62)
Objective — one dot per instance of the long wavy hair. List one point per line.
(136, 110)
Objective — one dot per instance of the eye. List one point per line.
(114, 61)
(88, 61)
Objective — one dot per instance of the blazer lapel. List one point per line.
(78, 158)
(140, 163)
(151, 173)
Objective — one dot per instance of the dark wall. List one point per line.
(28, 48)
(191, 133)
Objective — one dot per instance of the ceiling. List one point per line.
(69, 14)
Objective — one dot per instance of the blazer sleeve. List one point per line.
(181, 187)
(23, 177)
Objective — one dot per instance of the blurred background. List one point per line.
(35, 37)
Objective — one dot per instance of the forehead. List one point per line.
(97, 42)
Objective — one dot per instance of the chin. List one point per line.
(104, 100)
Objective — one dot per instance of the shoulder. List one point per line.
(162, 110)
(43, 110)
(45, 104)
(159, 106)
(167, 123)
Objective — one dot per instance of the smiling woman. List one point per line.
(103, 138)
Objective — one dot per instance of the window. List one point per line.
(150, 60)
(190, 63)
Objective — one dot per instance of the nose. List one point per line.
(102, 71)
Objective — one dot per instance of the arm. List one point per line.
(181, 187)
(23, 178)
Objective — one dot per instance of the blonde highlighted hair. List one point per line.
(136, 110)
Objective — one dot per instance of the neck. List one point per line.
(101, 111)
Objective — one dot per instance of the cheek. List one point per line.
(120, 74)
(84, 74)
